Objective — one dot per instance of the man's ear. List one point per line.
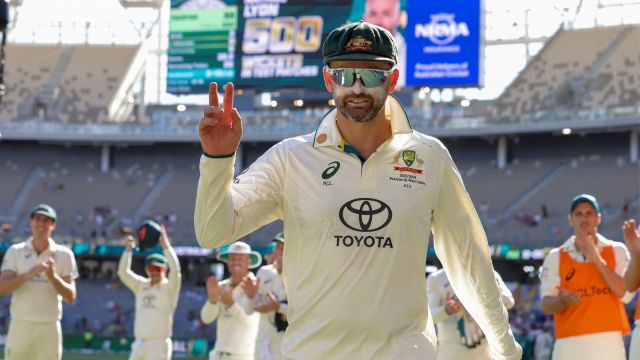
(327, 79)
(393, 80)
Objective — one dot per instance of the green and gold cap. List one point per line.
(360, 41)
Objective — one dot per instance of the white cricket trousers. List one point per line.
(28, 340)
(599, 346)
(156, 349)
(223, 355)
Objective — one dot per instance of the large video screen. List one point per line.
(280, 42)
(275, 44)
(201, 45)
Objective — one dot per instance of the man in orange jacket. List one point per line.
(582, 286)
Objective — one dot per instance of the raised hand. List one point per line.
(631, 236)
(129, 242)
(51, 267)
(568, 297)
(452, 306)
(272, 304)
(226, 295)
(212, 289)
(38, 269)
(221, 127)
(250, 286)
(589, 248)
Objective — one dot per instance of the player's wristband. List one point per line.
(217, 156)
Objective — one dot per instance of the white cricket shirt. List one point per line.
(357, 235)
(37, 300)
(155, 304)
(237, 325)
(270, 282)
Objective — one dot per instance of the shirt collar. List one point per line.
(52, 245)
(328, 134)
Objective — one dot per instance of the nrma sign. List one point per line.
(442, 29)
(443, 42)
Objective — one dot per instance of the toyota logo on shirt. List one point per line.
(365, 214)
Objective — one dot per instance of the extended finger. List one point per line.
(228, 97)
(213, 94)
(236, 120)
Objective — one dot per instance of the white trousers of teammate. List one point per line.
(634, 350)
(28, 340)
(607, 345)
(157, 349)
(223, 355)
(269, 349)
(454, 350)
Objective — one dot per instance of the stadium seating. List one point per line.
(83, 84)
(555, 78)
(28, 70)
(615, 83)
(610, 178)
(13, 176)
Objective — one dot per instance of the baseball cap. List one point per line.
(242, 248)
(279, 237)
(45, 210)
(155, 260)
(360, 41)
(148, 234)
(585, 198)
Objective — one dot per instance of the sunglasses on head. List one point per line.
(370, 77)
(153, 269)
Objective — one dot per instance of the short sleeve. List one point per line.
(550, 275)
(9, 262)
(68, 266)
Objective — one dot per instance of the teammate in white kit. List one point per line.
(459, 337)
(358, 198)
(271, 302)
(156, 299)
(39, 273)
(228, 302)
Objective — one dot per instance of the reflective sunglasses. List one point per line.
(154, 269)
(370, 77)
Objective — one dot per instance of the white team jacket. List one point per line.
(357, 235)
(155, 305)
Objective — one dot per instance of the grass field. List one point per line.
(78, 356)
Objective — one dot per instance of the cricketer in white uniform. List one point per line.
(271, 303)
(632, 280)
(459, 336)
(228, 303)
(39, 273)
(358, 198)
(156, 299)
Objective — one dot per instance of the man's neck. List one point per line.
(40, 244)
(365, 137)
